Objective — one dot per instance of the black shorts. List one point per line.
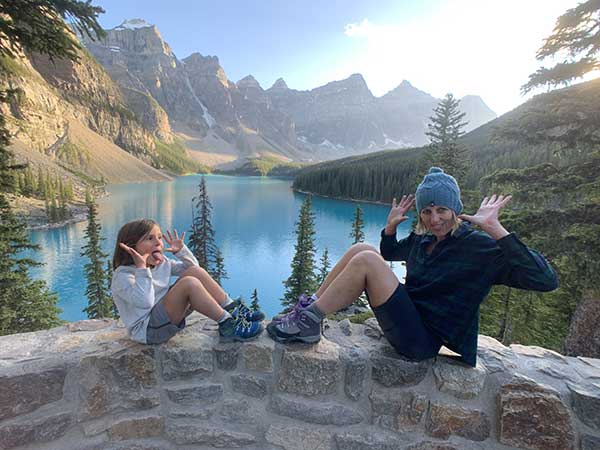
(403, 328)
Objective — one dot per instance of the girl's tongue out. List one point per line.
(158, 256)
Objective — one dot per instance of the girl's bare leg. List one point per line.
(190, 291)
(365, 270)
(342, 263)
(209, 284)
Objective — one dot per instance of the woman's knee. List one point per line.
(369, 258)
(360, 247)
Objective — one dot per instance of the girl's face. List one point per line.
(152, 244)
(437, 219)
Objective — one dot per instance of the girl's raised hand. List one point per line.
(175, 242)
(138, 260)
(487, 214)
(398, 211)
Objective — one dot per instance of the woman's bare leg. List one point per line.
(365, 270)
(190, 291)
(342, 263)
(209, 284)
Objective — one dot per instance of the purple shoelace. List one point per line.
(303, 302)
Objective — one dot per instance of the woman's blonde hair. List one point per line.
(420, 227)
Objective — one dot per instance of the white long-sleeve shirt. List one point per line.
(135, 291)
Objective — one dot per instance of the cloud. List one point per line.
(464, 47)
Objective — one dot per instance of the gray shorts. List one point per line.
(160, 329)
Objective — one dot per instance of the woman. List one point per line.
(450, 269)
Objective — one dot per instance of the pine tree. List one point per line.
(114, 312)
(303, 279)
(445, 128)
(575, 36)
(254, 306)
(201, 239)
(325, 265)
(219, 273)
(357, 234)
(99, 299)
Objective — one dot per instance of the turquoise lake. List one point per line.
(253, 219)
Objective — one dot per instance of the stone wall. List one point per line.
(86, 386)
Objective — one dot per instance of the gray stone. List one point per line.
(297, 438)
(590, 442)
(194, 412)
(186, 357)
(372, 328)
(446, 420)
(398, 410)
(355, 373)
(137, 428)
(586, 404)
(390, 369)
(533, 416)
(20, 394)
(495, 356)
(118, 381)
(250, 385)
(196, 395)
(213, 436)
(367, 441)
(37, 430)
(89, 325)
(457, 379)
(312, 411)
(233, 410)
(433, 445)
(259, 355)
(227, 356)
(308, 372)
(346, 327)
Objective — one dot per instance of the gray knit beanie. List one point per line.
(439, 189)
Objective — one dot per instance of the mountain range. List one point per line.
(130, 110)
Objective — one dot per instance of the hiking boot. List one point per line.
(303, 302)
(239, 308)
(239, 329)
(305, 327)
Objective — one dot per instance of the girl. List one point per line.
(450, 269)
(152, 311)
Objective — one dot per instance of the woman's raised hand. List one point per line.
(138, 260)
(487, 215)
(175, 242)
(398, 212)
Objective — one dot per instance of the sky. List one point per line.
(463, 47)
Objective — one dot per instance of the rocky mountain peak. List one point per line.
(406, 92)
(354, 87)
(133, 24)
(135, 36)
(280, 84)
(248, 82)
(199, 65)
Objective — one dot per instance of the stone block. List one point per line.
(590, 442)
(457, 379)
(238, 411)
(196, 395)
(137, 428)
(297, 438)
(250, 385)
(308, 372)
(345, 327)
(586, 404)
(227, 355)
(21, 394)
(446, 420)
(187, 357)
(259, 355)
(532, 416)
(356, 371)
(314, 411)
(391, 369)
(398, 410)
(367, 441)
(208, 435)
(372, 328)
(33, 431)
(192, 412)
(118, 381)
(433, 445)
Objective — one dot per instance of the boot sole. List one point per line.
(302, 339)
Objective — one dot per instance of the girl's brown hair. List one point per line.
(130, 234)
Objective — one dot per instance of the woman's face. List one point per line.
(437, 219)
(152, 244)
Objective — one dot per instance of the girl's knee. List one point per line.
(189, 282)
